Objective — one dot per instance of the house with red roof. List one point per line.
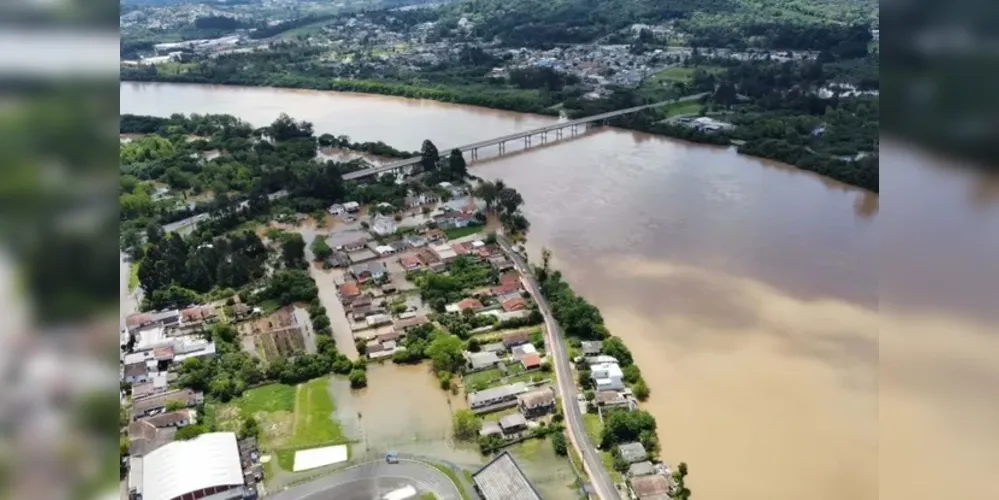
(531, 362)
(463, 305)
(348, 291)
(514, 304)
(411, 262)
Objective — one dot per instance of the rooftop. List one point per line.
(632, 452)
(502, 479)
(512, 420)
(595, 360)
(641, 469)
(482, 359)
(497, 393)
(654, 487)
(539, 397)
(183, 467)
(349, 289)
(514, 304)
(517, 337)
(531, 361)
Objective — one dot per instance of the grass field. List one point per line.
(133, 276)
(594, 427)
(682, 108)
(681, 73)
(290, 417)
(459, 232)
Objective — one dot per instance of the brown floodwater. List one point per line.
(799, 343)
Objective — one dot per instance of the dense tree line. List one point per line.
(577, 317)
(845, 41)
(248, 165)
(173, 271)
(505, 202)
(267, 31)
(543, 23)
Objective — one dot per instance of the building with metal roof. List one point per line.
(208, 465)
(632, 452)
(503, 479)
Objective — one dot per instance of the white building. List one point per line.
(207, 466)
(607, 377)
(383, 225)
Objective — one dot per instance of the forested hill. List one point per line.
(728, 23)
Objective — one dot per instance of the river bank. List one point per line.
(863, 175)
(711, 266)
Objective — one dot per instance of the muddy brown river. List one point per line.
(799, 343)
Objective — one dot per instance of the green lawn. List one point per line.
(608, 460)
(593, 426)
(313, 415)
(290, 417)
(133, 276)
(681, 73)
(481, 380)
(460, 232)
(268, 398)
(682, 108)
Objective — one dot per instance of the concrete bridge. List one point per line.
(542, 135)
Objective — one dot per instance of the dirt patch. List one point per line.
(278, 335)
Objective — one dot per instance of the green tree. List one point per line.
(190, 432)
(249, 429)
(679, 478)
(474, 345)
(488, 192)
(293, 251)
(466, 425)
(641, 390)
(456, 164)
(175, 405)
(358, 378)
(625, 427)
(320, 249)
(429, 156)
(613, 346)
(559, 444)
(510, 200)
(445, 351)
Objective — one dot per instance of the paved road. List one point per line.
(602, 482)
(371, 481)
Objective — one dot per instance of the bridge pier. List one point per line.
(502, 147)
(475, 154)
(527, 141)
(558, 133)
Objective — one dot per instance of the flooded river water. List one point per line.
(799, 343)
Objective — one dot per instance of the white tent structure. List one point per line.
(207, 465)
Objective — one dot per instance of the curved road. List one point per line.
(602, 482)
(371, 481)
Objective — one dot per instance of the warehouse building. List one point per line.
(502, 479)
(206, 467)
